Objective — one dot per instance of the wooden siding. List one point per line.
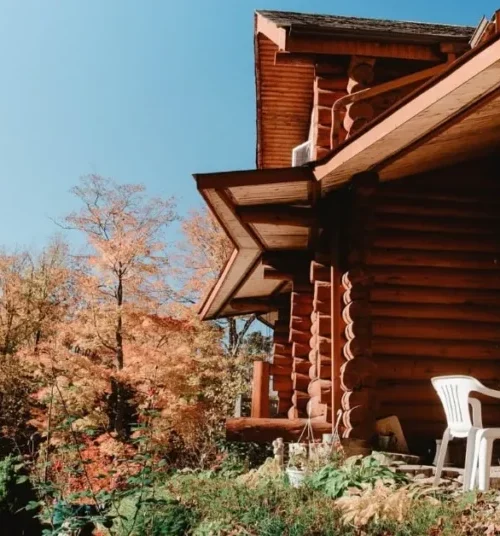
(435, 301)
(283, 106)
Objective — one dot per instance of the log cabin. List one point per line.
(368, 237)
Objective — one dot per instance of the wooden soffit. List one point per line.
(454, 117)
(260, 210)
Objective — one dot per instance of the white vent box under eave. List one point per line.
(302, 154)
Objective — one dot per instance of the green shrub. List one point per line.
(16, 494)
(334, 481)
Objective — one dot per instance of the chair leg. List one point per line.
(441, 456)
(485, 452)
(470, 459)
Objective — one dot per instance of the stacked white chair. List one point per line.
(454, 392)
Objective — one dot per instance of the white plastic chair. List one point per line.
(454, 392)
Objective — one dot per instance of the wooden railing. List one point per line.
(355, 110)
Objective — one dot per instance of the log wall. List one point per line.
(435, 297)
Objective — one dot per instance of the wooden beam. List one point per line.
(266, 430)
(252, 177)
(345, 47)
(277, 215)
(260, 389)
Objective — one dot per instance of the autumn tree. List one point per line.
(36, 294)
(124, 270)
(204, 252)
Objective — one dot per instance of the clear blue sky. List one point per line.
(140, 90)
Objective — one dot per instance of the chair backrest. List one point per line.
(454, 394)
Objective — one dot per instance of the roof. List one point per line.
(289, 47)
(452, 118)
(356, 26)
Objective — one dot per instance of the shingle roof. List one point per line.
(357, 25)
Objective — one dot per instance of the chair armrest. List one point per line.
(477, 417)
(487, 391)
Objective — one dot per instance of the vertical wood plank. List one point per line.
(260, 390)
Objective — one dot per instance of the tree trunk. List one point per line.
(117, 387)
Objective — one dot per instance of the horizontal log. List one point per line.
(322, 371)
(411, 328)
(266, 430)
(434, 413)
(321, 343)
(301, 308)
(436, 277)
(282, 361)
(399, 367)
(406, 222)
(301, 366)
(419, 412)
(358, 416)
(316, 409)
(430, 311)
(285, 359)
(436, 241)
(325, 97)
(299, 336)
(362, 71)
(282, 383)
(366, 431)
(282, 349)
(433, 207)
(448, 349)
(357, 374)
(322, 326)
(284, 404)
(302, 297)
(301, 323)
(281, 338)
(357, 276)
(300, 350)
(356, 293)
(360, 329)
(334, 83)
(319, 272)
(316, 357)
(357, 347)
(439, 295)
(433, 259)
(357, 114)
(281, 370)
(300, 381)
(300, 399)
(319, 388)
(293, 413)
(362, 397)
(322, 292)
(356, 310)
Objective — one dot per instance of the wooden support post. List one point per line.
(260, 389)
(357, 374)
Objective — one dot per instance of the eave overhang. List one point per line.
(235, 199)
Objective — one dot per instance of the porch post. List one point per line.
(260, 389)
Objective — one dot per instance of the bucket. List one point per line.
(295, 476)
